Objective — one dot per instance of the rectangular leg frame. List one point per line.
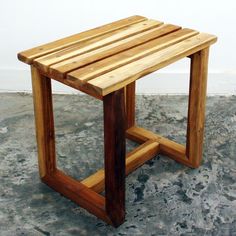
(119, 123)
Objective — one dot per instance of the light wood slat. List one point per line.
(70, 58)
(65, 53)
(120, 77)
(130, 104)
(28, 55)
(81, 76)
(114, 155)
(134, 159)
(89, 56)
(62, 54)
(103, 48)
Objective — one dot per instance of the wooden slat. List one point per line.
(28, 55)
(120, 77)
(134, 159)
(70, 58)
(77, 192)
(81, 46)
(60, 69)
(133, 36)
(96, 69)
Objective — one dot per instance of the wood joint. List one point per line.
(134, 159)
(167, 147)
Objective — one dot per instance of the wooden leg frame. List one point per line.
(119, 123)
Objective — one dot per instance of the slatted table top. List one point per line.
(102, 60)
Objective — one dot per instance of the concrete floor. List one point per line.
(162, 198)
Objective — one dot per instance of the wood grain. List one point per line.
(83, 75)
(126, 74)
(70, 58)
(82, 89)
(29, 55)
(43, 110)
(114, 148)
(78, 193)
(170, 148)
(134, 159)
(196, 109)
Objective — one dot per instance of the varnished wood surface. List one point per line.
(77, 192)
(110, 57)
(196, 109)
(128, 73)
(130, 104)
(134, 159)
(44, 122)
(29, 55)
(170, 148)
(114, 155)
(71, 58)
(105, 63)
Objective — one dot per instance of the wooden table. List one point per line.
(105, 62)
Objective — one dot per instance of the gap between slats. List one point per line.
(134, 159)
(67, 59)
(29, 55)
(61, 69)
(126, 74)
(84, 74)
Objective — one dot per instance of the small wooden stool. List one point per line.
(105, 62)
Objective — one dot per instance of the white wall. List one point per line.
(26, 23)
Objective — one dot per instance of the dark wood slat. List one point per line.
(114, 141)
(115, 46)
(130, 104)
(170, 148)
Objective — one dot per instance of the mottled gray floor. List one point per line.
(162, 198)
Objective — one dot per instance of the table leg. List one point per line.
(196, 109)
(115, 151)
(130, 104)
(42, 96)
